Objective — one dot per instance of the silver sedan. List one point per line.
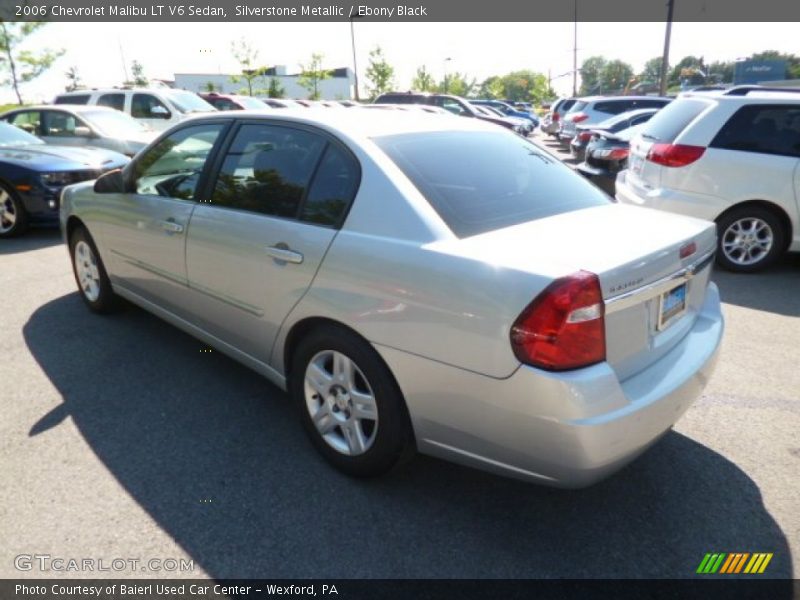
(414, 282)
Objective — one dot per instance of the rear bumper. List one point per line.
(602, 178)
(561, 429)
(700, 206)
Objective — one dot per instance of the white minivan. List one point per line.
(160, 108)
(730, 157)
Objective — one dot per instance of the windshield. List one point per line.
(481, 181)
(188, 102)
(251, 103)
(14, 136)
(115, 123)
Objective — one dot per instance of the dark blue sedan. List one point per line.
(33, 173)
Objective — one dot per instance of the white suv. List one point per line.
(731, 157)
(160, 108)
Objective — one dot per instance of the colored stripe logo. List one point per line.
(734, 562)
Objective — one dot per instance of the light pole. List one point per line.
(446, 82)
(355, 65)
(662, 85)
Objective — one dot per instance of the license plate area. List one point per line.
(671, 305)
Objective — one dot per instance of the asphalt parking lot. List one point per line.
(121, 438)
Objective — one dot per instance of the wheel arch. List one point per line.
(304, 327)
(774, 208)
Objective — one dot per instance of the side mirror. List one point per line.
(159, 112)
(83, 131)
(110, 183)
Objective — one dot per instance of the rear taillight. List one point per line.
(578, 117)
(564, 327)
(674, 155)
(612, 154)
(556, 117)
(585, 136)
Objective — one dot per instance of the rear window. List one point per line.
(76, 99)
(482, 181)
(764, 128)
(614, 107)
(578, 106)
(667, 123)
(565, 105)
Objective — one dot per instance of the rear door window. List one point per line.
(29, 120)
(768, 129)
(147, 106)
(668, 123)
(482, 181)
(76, 99)
(115, 101)
(268, 169)
(614, 107)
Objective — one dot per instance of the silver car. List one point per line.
(418, 283)
(85, 126)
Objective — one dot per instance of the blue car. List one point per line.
(509, 110)
(33, 173)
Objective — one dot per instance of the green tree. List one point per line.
(247, 57)
(423, 81)
(615, 76)
(22, 66)
(210, 86)
(720, 71)
(458, 84)
(652, 70)
(591, 70)
(275, 90)
(139, 78)
(525, 86)
(492, 87)
(380, 74)
(311, 76)
(73, 79)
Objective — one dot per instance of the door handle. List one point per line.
(171, 226)
(282, 252)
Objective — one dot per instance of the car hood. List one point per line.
(49, 157)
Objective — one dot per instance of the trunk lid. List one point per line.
(635, 252)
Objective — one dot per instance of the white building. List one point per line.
(339, 86)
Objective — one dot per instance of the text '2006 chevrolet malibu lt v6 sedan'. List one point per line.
(414, 282)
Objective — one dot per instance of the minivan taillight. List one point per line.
(556, 117)
(564, 327)
(674, 155)
(578, 117)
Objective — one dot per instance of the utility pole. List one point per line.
(575, 53)
(662, 88)
(122, 56)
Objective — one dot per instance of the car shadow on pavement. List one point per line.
(776, 289)
(217, 457)
(34, 239)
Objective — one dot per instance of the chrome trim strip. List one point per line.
(658, 287)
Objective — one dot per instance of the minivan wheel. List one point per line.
(749, 239)
(13, 217)
(349, 403)
(90, 273)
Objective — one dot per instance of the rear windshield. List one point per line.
(578, 106)
(667, 123)
(565, 105)
(76, 99)
(481, 181)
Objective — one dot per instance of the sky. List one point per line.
(477, 49)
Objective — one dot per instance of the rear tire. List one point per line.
(13, 216)
(350, 405)
(749, 239)
(90, 273)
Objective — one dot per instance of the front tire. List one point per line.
(749, 239)
(349, 403)
(90, 273)
(13, 216)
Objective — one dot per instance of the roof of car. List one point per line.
(362, 123)
(76, 108)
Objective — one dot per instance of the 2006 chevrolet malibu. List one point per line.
(414, 282)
